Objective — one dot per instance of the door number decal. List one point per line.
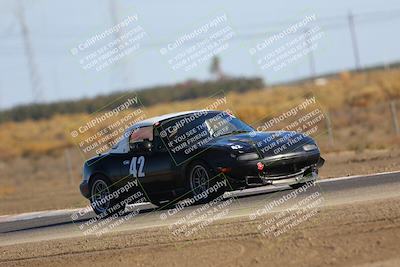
(133, 169)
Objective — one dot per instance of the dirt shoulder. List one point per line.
(360, 234)
(353, 163)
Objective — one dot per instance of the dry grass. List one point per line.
(357, 104)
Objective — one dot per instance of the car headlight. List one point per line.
(310, 147)
(248, 156)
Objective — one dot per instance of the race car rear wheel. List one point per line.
(101, 199)
(203, 185)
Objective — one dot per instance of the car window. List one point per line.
(141, 134)
(176, 128)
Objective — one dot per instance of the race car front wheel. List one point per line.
(203, 185)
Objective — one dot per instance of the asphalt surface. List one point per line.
(50, 225)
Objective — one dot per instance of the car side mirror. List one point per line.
(143, 146)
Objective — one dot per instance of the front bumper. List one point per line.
(307, 174)
(289, 169)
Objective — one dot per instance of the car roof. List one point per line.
(153, 120)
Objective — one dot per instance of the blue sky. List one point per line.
(56, 27)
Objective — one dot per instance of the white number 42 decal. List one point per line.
(133, 169)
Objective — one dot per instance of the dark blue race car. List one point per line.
(196, 154)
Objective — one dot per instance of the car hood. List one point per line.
(265, 143)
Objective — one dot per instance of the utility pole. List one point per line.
(36, 82)
(394, 117)
(117, 35)
(354, 41)
(310, 53)
(329, 126)
(69, 166)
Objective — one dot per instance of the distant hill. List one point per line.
(148, 97)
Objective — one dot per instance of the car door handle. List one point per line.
(126, 162)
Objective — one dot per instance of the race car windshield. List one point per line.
(225, 124)
(199, 126)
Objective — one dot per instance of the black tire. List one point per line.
(100, 187)
(201, 181)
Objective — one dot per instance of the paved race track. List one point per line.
(51, 225)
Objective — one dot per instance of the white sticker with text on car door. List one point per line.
(135, 163)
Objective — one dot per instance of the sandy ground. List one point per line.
(44, 184)
(352, 163)
(360, 234)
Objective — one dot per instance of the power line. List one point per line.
(328, 22)
(375, 15)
